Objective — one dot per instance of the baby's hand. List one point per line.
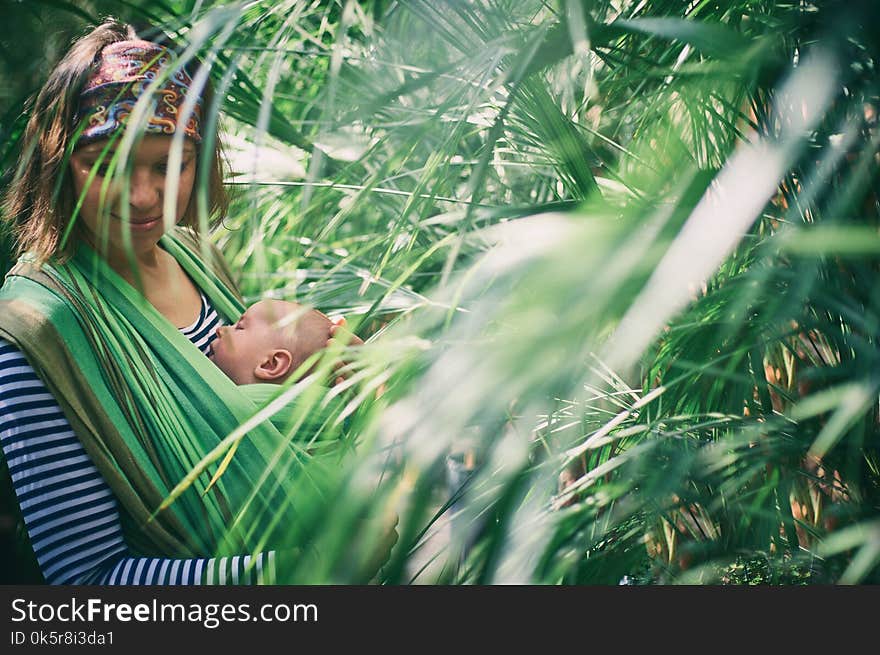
(338, 334)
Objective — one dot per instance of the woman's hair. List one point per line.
(40, 201)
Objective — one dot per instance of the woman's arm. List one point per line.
(70, 514)
(243, 569)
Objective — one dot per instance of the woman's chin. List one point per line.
(141, 238)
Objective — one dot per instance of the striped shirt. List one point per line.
(69, 511)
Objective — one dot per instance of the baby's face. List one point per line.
(240, 348)
(265, 328)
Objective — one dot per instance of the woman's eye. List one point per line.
(163, 168)
(101, 170)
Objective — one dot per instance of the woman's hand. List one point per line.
(340, 335)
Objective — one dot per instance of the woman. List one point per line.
(107, 401)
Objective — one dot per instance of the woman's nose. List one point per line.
(145, 191)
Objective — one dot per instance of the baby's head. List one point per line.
(270, 341)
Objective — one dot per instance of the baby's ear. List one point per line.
(275, 366)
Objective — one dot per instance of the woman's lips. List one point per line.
(141, 225)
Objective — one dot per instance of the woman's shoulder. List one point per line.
(32, 306)
(29, 288)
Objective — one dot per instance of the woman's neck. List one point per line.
(138, 267)
(158, 276)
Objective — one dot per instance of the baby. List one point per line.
(271, 341)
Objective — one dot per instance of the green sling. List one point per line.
(148, 407)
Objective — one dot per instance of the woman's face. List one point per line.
(103, 213)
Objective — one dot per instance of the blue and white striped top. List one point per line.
(70, 513)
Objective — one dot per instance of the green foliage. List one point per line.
(619, 257)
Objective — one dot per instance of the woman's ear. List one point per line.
(274, 366)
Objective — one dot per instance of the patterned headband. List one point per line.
(121, 77)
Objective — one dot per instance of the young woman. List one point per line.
(107, 401)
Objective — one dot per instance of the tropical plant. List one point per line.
(616, 260)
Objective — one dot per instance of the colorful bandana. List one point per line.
(121, 77)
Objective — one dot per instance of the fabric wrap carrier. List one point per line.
(147, 406)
